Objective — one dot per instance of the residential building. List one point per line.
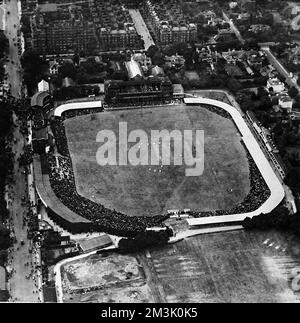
(276, 85)
(144, 61)
(168, 22)
(176, 61)
(43, 86)
(88, 26)
(285, 102)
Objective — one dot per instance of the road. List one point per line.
(295, 24)
(141, 27)
(21, 261)
(280, 68)
(24, 283)
(234, 28)
(12, 25)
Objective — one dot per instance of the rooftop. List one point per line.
(96, 243)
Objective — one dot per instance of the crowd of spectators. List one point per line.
(79, 112)
(26, 157)
(258, 194)
(59, 134)
(259, 190)
(110, 221)
(221, 112)
(31, 222)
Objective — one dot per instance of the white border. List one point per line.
(77, 105)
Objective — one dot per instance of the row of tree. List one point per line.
(5, 170)
(34, 68)
(279, 219)
(5, 162)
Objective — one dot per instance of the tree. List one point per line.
(158, 59)
(91, 67)
(34, 67)
(152, 50)
(5, 118)
(4, 238)
(2, 71)
(293, 179)
(25, 24)
(293, 92)
(296, 105)
(3, 257)
(82, 77)
(67, 69)
(4, 44)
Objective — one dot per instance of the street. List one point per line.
(24, 284)
(141, 27)
(234, 28)
(13, 66)
(280, 68)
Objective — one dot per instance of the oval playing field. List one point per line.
(151, 190)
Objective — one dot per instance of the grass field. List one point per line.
(142, 190)
(234, 266)
(227, 267)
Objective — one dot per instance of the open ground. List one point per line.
(105, 278)
(148, 190)
(235, 266)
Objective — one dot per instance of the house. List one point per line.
(178, 91)
(67, 82)
(143, 60)
(259, 28)
(175, 61)
(285, 102)
(53, 67)
(276, 85)
(43, 86)
(95, 243)
(157, 71)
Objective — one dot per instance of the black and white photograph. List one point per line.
(149, 154)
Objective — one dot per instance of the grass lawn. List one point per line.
(143, 190)
(236, 266)
(226, 267)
